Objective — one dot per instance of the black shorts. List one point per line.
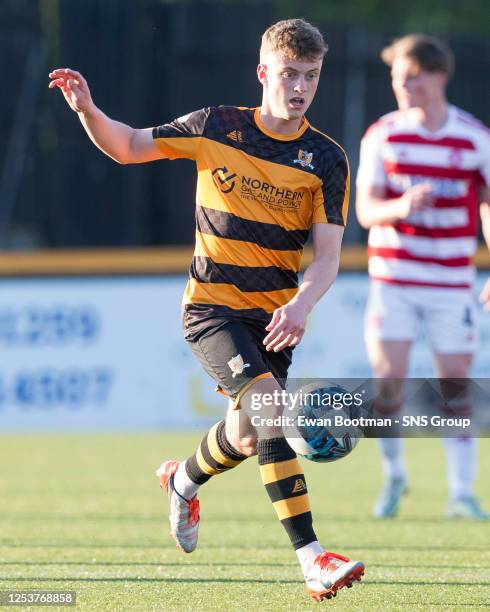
(234, 356)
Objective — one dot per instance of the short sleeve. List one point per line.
(484, 153)
(371, 170)
(182, 137)
(331, 199)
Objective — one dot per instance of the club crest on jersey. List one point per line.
(237, 366)
(304, 159)
(455, 158)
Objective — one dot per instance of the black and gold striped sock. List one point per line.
(285, 483)
(214, 455)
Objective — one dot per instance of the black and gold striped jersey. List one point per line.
(258, 194)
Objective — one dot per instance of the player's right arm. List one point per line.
(373, 208)
(124, 144)
(372, 205)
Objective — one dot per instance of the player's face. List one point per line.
(414, 87)
(289, 85)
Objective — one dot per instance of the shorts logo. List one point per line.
(224, 181)
(304, 159)
(299, 486)
(235, 135)
(467, 318)
(237, 366)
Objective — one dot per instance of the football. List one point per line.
(318, 428)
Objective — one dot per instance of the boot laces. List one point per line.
(193, 506)
(330, 561)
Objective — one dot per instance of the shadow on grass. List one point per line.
(217, 518)
(147, 564)
(447, 605)
(225, 564)
(37, 579)
(163, 545)
(369, 583)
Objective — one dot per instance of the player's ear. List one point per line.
(262, 73)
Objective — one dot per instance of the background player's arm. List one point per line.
(372, 205)
(485, 222)
(373, 208)
(121, 142)
(288, 322)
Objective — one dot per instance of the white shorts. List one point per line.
(397, 312)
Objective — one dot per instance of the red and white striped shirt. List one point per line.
(432, 247)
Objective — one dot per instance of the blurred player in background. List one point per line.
(265, 178)
(424, 169)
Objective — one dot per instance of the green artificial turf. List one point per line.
(85, 513)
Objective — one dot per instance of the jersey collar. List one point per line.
(441, 132)
(258, 121)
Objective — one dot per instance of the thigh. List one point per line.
(240, 427)
(389, 358)
(390, 314)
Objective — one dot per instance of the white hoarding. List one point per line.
(109, 354)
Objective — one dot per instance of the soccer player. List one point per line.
(423, 171)
(265, 178)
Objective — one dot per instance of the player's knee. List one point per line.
(264, 397)
(389, 397)
(456, 371)
(389, 371)
(246, 444)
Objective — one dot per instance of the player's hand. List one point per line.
(485, 295)
(286, 328)
(74, 88)
(415, 198)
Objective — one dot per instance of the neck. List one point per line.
(277, 124)
(433, 116)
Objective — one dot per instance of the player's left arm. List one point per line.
(485, 222)
(288, 323)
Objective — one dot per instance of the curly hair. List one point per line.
(295, 38)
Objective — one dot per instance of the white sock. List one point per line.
(307, 555)
(393, 456)
(461, 459)
(183, 484)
